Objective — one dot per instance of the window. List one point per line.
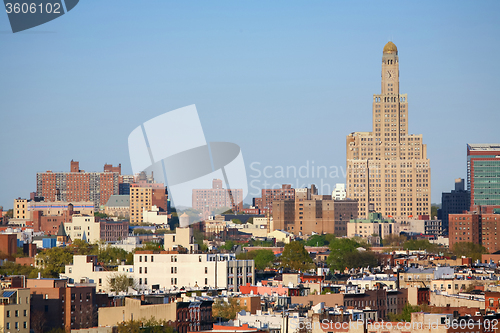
(145, 258)
(206, 281)
(25, 324)
(206, 270)
(25, 313)
(140, 258)
(8, 326)
(8, 313)
(145, 270)
(146, 281)
(73, 296)
(140, 270)
(16, 313)
(151, 258)
(199, 258)
(140, 280)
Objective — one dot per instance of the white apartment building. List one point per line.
(85, 269)
(83, 227)
(172, 270)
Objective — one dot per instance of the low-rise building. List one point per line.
(171, 269)
(15, 310)
(86, 269)
(57, 304)
(184, 316)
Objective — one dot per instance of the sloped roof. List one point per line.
(118, 201)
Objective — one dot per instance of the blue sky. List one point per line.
(286, 80)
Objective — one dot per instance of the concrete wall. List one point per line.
(133, 310)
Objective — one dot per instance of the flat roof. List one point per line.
(484, 146)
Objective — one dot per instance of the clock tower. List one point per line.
(387, 168)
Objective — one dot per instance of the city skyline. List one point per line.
(259, 79)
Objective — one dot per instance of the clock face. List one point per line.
(389, 74)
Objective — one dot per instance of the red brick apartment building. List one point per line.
(78, 185)
(265, 202)
(476, 228)
(55, 304)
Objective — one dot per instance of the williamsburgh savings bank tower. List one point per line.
(387, 169)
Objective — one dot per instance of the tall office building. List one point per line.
(387, 168)
(483, 174)
(78, 185)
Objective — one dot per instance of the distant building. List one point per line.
(455, 202)
(217, 199)
(374, 225)
(154, 216)
(24, 208)
(475, 227)
(8, 244)
(143, 195)
(483, 174)
(312, 213)
(118, 205)
(339, 192)
(183, 237)
(78, 185)
(265, 202)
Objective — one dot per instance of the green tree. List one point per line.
(262, 258)
(111, 256)
(141, 231)
(120, 282)
(405, 315)
(82, 247)
(10, 213)
(434, 211)
(54, 261)
(420, 244)
(150, 325)
(317, 240)
(394, 240)
(100, 215)
(469, 249)
(11, 268)
(344, 254)
(226, 311)
(296, 257)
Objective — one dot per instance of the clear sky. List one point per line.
(285, 80)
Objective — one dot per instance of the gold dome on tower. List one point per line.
(390, 48)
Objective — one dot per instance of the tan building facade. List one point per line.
(15, 310)
(143, 195)
(310, 213)
(387, 169)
